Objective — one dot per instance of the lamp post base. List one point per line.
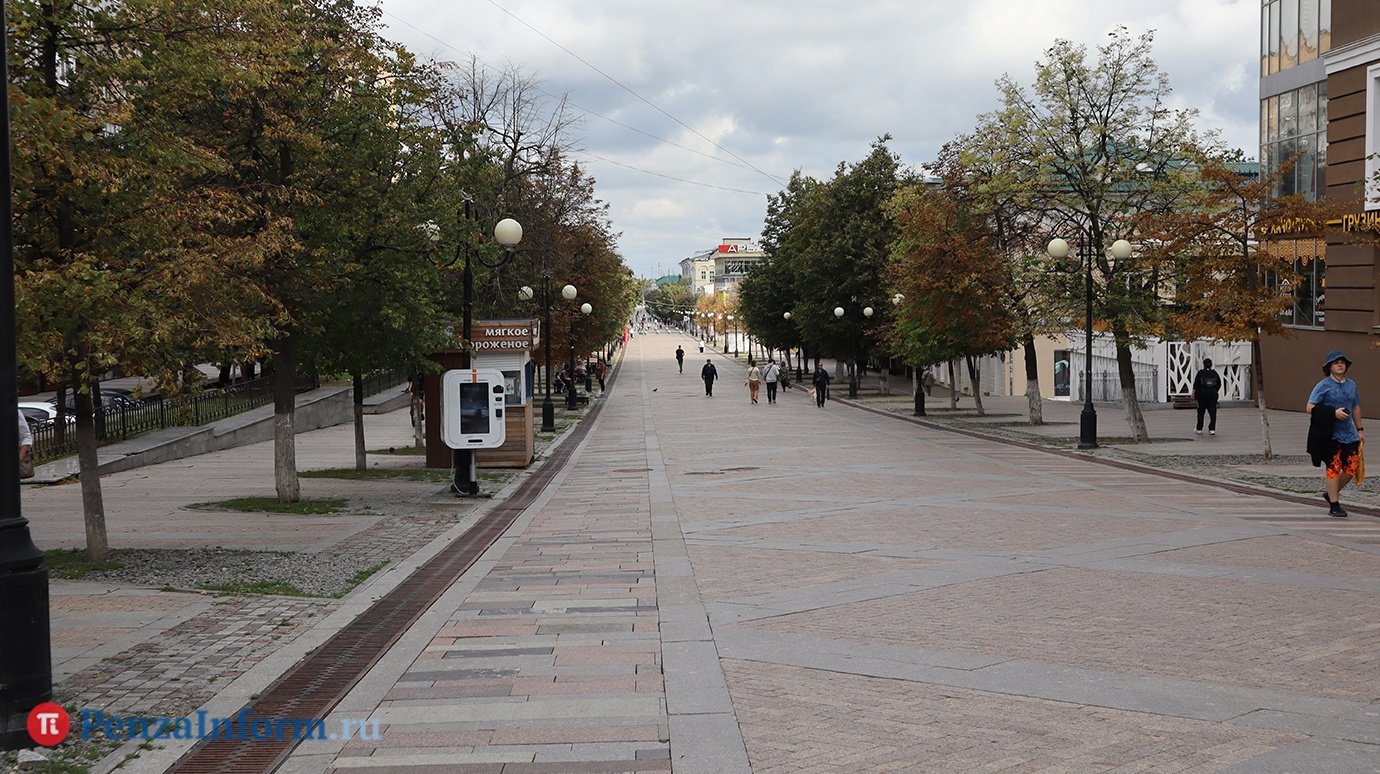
(548, 416)
(26, 674)
(1087, 428)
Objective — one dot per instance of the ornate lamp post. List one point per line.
(896, 301)
(572, 401)
(508, 233)
(867, 312)
(548, 409)
(800, 356)
(1059, 250)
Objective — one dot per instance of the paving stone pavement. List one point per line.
(718, 586)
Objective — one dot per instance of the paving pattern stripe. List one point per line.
(318, 682)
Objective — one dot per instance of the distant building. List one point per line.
(699, 270)
(733, 259)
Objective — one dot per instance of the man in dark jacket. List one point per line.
(820, 380)
(1206, 386)
(709, 373)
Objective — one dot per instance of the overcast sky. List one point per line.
(801, 84)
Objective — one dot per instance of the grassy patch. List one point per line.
(257, 587)
(426, 475)
(271, 505)
(360, 577)
(73, 563)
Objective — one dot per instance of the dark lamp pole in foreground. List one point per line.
(26, 666)
(1059, 250)
(508, 233)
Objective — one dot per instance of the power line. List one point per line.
(643, 99)
(744, 165)
(668, 177)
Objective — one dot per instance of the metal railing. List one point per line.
(1106, 386)
(119, 423)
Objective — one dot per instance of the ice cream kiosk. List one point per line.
(501, 345)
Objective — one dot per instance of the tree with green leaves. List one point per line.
(836, 240)
(946, 263)
(1104, 147)
(127, 252)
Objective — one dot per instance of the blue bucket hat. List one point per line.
(1333, 357)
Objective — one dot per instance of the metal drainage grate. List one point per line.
(317, 683)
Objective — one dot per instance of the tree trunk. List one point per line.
(358, 403)
(1032, 382)
(88, 467)
(284, 411)
(884, 380)
(1127, 374)
(953, 388)
(974, 371)
(1258, 377)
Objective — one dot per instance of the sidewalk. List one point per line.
(713, 585)
(721, 586)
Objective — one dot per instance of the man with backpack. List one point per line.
(1206, 385)
(771, 374)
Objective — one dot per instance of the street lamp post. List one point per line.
(548, 409)
(1059, 250)
(572, 401)
(508, 233)
(26, 671)
(867, 312)
(896, 301)
(800, 354)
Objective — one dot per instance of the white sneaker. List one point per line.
(1197, 432)
(1212, 432)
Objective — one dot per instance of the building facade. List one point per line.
(1320, 99)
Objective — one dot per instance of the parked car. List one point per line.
(39, 414)
(110, 401)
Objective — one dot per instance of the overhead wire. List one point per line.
(744, 164)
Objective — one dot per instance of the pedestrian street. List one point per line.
(716, 585)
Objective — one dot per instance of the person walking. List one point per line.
(709, 373)
(820, 379)
(680, 358)
(1206, 385)
(927, 381)
(1335, 430)
(754, 380)
(701, 346)
(770, 375)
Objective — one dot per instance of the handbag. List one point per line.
(1360, 464)
(26, 467)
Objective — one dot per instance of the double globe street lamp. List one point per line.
(525, 293)
(867, 312)
(1058, 249)
(507, 233)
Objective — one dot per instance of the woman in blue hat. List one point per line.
(1339, 412)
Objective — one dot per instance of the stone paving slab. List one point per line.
(896, 599)
(696, 591)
